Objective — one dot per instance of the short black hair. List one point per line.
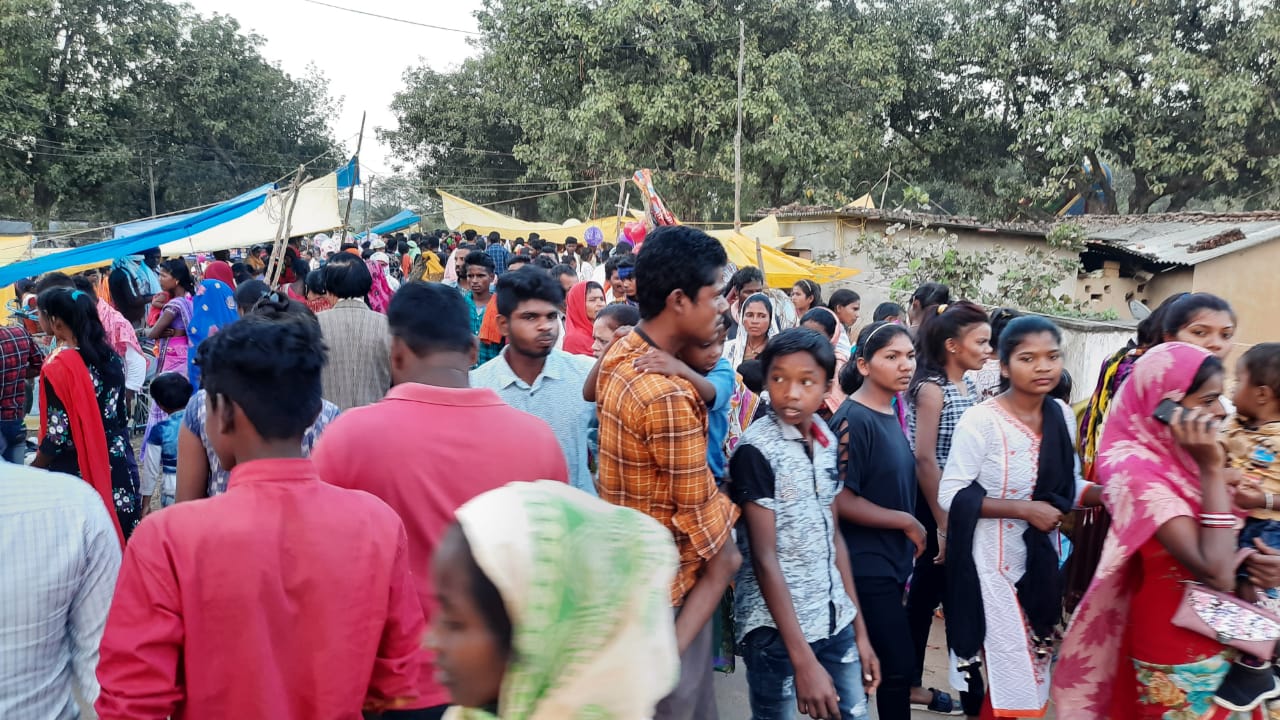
(430, 317)
(481, 258)
(54, 280)
(527, 284)
(347, 278)
(249, 292)
(171, 391)
(822, 317)
(745, 276)
(545, 262)
(469, 234)
(843, 297)
(83, 284)
(800, 340)
(240, 272)
(495, 238)
(270, 367)
(1019, 329)
(1262, 362)
(886, 310)
(620, 314)
(517, 259)
(563, 269)
(676, 257)
(315, 282)
(752, 372)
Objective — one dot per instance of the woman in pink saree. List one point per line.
(1161, 482)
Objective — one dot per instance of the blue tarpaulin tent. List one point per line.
(164, 231)
(399, 221)
(253, 217)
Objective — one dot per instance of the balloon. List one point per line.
(594, 236)
(635, 232)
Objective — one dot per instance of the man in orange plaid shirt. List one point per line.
(653, 444)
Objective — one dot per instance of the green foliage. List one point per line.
(987, 107)
(90, 92)
(907, 257)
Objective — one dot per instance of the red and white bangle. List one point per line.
(1222, 521)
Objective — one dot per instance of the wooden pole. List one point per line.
(737, 148)
(351, 191)
(622, 196)
(276, 264)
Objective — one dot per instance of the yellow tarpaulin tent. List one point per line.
(781, 270)
(462, 215)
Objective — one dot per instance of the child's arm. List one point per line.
(870, 661)
(658, 361)
(589, 387)
(753, 478)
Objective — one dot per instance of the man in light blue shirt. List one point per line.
(61, 555)
(530, 374)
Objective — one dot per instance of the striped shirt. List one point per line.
(60, 561)
(359, 368)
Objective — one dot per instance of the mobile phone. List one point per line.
(1165, 411)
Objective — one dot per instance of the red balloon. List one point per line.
(634, 231)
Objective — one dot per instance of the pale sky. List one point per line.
(362, 57)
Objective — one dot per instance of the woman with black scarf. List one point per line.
(1011, 475)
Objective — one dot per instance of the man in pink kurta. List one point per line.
(442, 452)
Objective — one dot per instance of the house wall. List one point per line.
(1168, 283)
(1250, 281)
(831, 240)
(1085, 345)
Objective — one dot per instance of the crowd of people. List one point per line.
(463, 476)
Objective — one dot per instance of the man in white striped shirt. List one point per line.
(59, 557)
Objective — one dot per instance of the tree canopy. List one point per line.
(994, 107)
(98, 98)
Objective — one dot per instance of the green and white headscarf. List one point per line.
(587, 587)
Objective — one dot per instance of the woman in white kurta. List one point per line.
(997, 444)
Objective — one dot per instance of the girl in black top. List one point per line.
(877, 508)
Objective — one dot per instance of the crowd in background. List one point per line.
(591, 475)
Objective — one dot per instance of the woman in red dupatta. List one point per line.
(1117, 662)
(82, 412)
(581, 305)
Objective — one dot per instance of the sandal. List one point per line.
(942, 703)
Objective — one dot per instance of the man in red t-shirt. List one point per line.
(432, 350)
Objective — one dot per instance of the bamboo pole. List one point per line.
(276, 264)
(351, 191)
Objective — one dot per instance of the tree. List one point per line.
(221, 119)
(456, 129)
(66, 63)
(585, 93)
(95, 92)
